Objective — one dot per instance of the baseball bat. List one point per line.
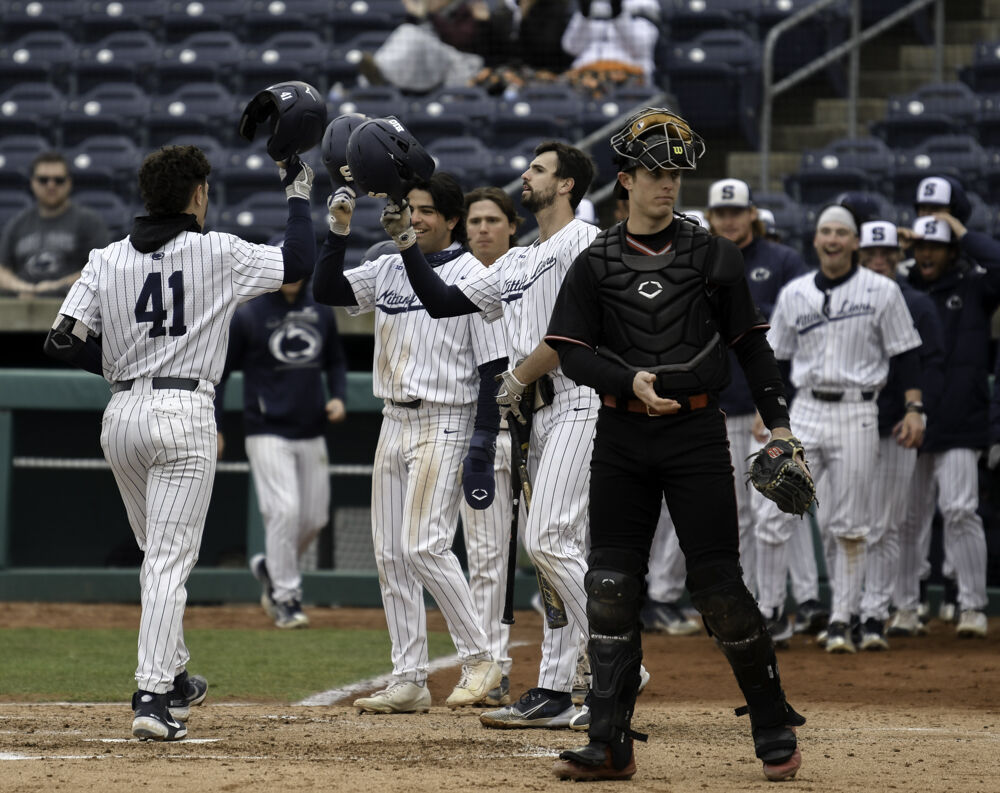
(555, 611)
(508, 599)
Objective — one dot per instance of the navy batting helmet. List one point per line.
(863, 205)
(384, 157)
(334, 146)
(296, 114)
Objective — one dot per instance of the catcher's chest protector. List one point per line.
(658, 315)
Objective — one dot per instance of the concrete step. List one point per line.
(991, 9)
(745, 165)
(834, 111)
(883, 83)
(970, 32)
(792, 137)
(919, 57)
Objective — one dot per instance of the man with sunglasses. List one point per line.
(43, 248)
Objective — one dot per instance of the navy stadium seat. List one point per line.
(44, 56)
(16, 155)
(25, 16)
(465, 157)
(787, 213)
(257, 218)
(30, 109)
(116, 214)
(983, 74)
(184, 18)
(349, 18)
(203, 108)
(598, 112)
(800, 45)
(100, 18)
(212, 55)
(266, 18)
(122, 56)
(846, 164)
(105, 162)
(960, 156)
(249, 171)
(289, 55)
(215, 150)
(987, 120)
(375, 102)
(366, 226)
(523, 117)
(344, 60)
(452, 111)
(934, 109)
(686, 19)
(109, 109)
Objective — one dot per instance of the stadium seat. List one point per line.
(598, 112)
(366, 226)
(960, 156)
(452, 111)
(934, 109)
(983, 74)
(13, 201)
(100, 18)
(787, 213)
(873, 11)
(342, 66)
(216, 152)
(284, 56)
(257, 218)
(184, 18)
(203, 108)
(213, 55)
(44, 56)
(247, 172)
(539, 112)
(30, 109)
(987, 120)
(507, 165)
(800, 45)
(16, 155)
(686, 19)
(122, 56)
(105, 162)
(349, 18)
(266, 18)
(983, 217)
(466, 158)
(846, 164)
(109, 109)
(116, 214)
(375, 102)
(716, 79)
(25, 16)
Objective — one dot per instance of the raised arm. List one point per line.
(298, 251)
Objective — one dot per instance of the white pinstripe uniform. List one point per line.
(839, 339)
(166, 314)
(416, 490)
(667, 574)
(523, 285)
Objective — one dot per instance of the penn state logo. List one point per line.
(954, 303)
(650, 289)
(295, 344)
(760, 274)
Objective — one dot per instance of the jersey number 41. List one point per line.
(149, 306)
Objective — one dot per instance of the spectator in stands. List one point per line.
(612, 42)
(442, 42)
(44, 248)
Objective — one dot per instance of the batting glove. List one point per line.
(478, 480)
(509, 395)
(296, 178)
(396, 222)
(341, 207)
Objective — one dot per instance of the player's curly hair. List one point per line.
(168, 177)
(503, 201)
(449, 200)
(573, 164)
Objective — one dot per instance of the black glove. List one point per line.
(478, 481)
(779, 472)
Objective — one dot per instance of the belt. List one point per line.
(413, 404)
(688, 403)
(838, 396)
(181, 383)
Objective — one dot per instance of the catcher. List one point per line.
(645, 317)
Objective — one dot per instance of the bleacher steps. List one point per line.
(884, 83)
(919, 57)
(969, 32)
(834, 111)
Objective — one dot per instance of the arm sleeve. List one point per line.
(487, 413)
(439, 299)
(336, 362)
(907, 365)
(766, 384)
(584, 367)
(299, 249)
(329, 284)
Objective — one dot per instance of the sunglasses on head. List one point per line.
(55, 179)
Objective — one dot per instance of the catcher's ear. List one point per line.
(725, 263)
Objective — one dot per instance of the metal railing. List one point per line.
(851, 46)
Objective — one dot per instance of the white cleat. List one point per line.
(400, 697)
(477, 680)
(972, 624)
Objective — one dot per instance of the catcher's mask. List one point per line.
(295, 113)
(656, 137)
(384, 158)
(334, 146)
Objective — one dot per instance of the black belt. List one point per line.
(688, 403)
(181, 383)
(837, 396)
(412, 405)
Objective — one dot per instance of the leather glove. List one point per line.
(396, 222)
(478, 481)
(509, 396)
(993, 458)
(296, 178)
(341, 207)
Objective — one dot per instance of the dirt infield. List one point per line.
(924, 716)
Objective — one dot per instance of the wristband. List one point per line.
(914, 407)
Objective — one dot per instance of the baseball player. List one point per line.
(284, 342)
(839, 328)
(437, 380)
(890, 486)
(960, 271)
(769, 266)
(522, 286)
(151, 313)
(491, 221)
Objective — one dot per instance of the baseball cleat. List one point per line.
(782, 772)
(838, 638)
(873, 635)
(500, 695)
(644, 678)
(537, 707)
(669, 618)
(780, 628)
(400, 697)
(972, 624)
(811, 617)
(153, 720)
(581, 721)
(188, 691)
(290, 615)
(258, 566)
(591, 763)
(906, 623)
(477, 680)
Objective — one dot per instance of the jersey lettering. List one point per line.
(149, 305)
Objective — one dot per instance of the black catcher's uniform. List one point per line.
(670, 303)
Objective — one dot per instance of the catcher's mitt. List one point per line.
(779, 472)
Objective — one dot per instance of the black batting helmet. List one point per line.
(334, 146)
(384, 157)
(296, 114)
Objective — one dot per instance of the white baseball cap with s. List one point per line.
(729, 193)
(879, 234)
(931, 229)
(933, 190)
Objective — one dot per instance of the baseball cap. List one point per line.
(766, 216)
(934, 190)
(930, 229)
(729, 193)
(879, 234)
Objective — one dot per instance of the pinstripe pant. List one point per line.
(415, 500)
(162, 446)
(292, 481)
(951, 479)
(667, 569)
(562, 443)
(486, 541)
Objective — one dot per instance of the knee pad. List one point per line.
(726, 605)
(613, 601)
